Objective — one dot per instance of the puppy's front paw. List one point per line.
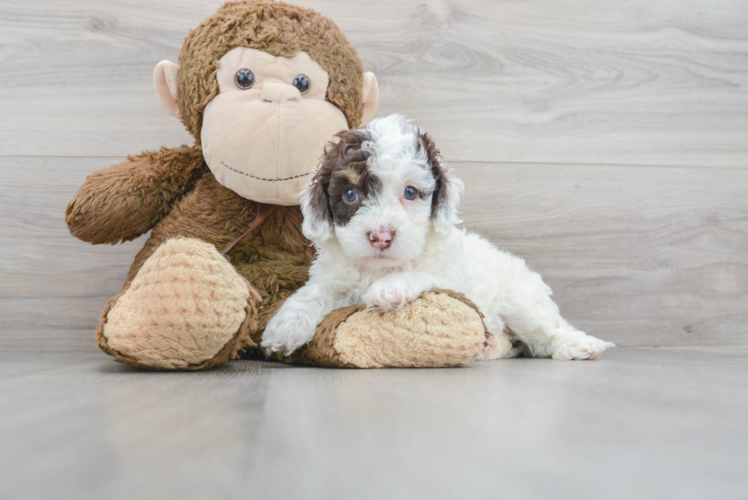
(388, 294)
(287, 332)
(581, 346)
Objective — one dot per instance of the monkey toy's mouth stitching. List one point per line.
(264, 178)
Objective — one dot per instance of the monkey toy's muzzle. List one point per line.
(264, 144)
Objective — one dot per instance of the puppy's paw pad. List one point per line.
(582, 347)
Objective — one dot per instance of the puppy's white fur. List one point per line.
(426, 252)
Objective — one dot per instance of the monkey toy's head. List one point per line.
(263, 86)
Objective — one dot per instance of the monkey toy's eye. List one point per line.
(350, 196)
(244, 78)
(301, 82)
(410, 193)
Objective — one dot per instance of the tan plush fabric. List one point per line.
(441, 328)
(435, 330)
(185, 304)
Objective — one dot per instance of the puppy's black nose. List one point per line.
(381, 239)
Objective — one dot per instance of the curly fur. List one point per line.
(414, 207)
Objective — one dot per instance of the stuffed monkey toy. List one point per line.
(262, 86)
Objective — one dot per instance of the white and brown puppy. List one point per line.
(381, 211)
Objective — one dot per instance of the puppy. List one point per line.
(381, 211)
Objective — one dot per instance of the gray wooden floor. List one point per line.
(606, 142)
(642, 423)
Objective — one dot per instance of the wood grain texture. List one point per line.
(52, 286)
(636, 255)
(582, 81)
(664, 423)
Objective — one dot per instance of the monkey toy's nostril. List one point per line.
(381, 239)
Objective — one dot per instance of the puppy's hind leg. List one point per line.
(499, 344)
(536, 320)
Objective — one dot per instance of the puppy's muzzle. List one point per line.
(381, 240)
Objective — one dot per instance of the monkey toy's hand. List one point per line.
(126, 200)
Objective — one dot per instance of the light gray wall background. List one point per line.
(606, 142)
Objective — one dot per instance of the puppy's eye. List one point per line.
(244, 78)
(410, 193)
(350, 196)
(301, 82)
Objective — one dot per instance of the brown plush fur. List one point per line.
(274, 258)
(173, 193)
(125, 201)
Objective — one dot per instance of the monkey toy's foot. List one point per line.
(187, 308)
(440, 328)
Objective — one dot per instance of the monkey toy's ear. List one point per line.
(165, 79)
(371, 97)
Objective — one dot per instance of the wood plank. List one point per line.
(581, 81)
(52, 286)
(636, 255)
(639, 256)
(640, 423)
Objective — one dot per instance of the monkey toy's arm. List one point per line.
(124, 201)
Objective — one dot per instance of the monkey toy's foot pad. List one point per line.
(184, 306)
(440, 328)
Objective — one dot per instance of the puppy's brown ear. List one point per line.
(315, 202)
(449, 188)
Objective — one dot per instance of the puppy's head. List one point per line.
(381, 190)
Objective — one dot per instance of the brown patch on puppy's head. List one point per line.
(343, 170)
